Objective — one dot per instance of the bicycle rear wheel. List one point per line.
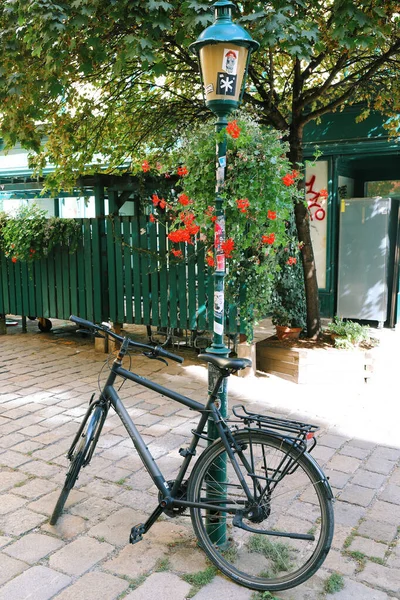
(83, 450)
(291, 497)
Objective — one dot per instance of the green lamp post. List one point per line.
(223, 51)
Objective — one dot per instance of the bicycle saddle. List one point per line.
(234, 364)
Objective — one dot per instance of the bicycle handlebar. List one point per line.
(155, 350)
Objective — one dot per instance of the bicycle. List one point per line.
(260, 505)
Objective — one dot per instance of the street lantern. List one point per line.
(223, 50)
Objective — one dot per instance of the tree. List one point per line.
(109, 78)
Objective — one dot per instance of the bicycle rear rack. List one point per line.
(295, 432)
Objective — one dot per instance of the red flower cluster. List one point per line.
(152, 218)
(182, 171)
(183, 199)
(268, 239)
(179, 235)
(233, 129)
(14, 259)
(271, 215)
(158, 201)
(323, 194)
(145, 166)
(177, 253)
(227, 247)
(209, 211)
(210, 259)
(291, 260)
(290, 178)
(243, 204)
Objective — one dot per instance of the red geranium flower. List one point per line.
(183, 199)
(291, 260)
(152, 218)
(271, 215)
(227, 247)
(209, 211)
(290, 178)
(210, 260)
(268, 239)
(145, 166)
(243, 204)
(155, 199)
(177, 253)
(14, 259)
(182, 171)
(323, 194)
(233, 129)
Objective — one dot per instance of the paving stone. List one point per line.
(356, 494)
(13, 459)
(368, 547)
(349, 450)
(21, 521)
(386, 453)
(340, 563)
(369, 479)
(134, 561)
(95, 509)
(67, 527)
(346, 464)
(336, 478)
(161, 585)
(222, 588)
(35, 488)
(32, 547)
(46, 504)
(78, 556)
(10, 567)
(95, 586)
(37, 583)
(357, 591)
(377, 530)
(4, 540)
(391, 494)
(380, 577)
(102, 489)
(348, 514)
(323, 453)
(10, 503)
(117, 527)
(379, 465)
(384, 511)
(9, 479)
(188, 560)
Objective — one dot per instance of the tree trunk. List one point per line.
(302, 219)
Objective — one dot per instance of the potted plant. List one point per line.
(288, 305)
(348, 334)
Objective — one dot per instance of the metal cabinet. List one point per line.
(363, 259)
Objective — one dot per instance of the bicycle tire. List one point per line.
(77, 461)
(300, 502)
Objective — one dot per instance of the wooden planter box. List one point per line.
(313, 365)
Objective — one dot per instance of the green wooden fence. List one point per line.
(122, 271)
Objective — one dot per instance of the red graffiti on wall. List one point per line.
(314, 202)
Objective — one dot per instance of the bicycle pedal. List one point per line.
(137, 533)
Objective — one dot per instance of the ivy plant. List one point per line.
(29, 235)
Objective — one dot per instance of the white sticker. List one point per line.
(230, 61)
(219, 303)
(209, 88)
(218, 328)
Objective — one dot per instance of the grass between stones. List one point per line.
(199, 579)
(334, 583)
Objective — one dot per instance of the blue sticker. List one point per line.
(222, 161)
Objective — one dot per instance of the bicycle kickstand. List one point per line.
(139, 530)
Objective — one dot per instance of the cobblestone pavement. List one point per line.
(46, 381)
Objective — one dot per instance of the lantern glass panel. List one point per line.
(223, 66)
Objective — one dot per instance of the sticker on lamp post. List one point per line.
(230, 61)
(226, 84)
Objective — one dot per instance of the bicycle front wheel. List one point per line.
(79, 459)
(280, 538)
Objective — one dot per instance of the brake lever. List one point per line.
(154, 357)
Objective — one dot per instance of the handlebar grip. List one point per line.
(161, 352)
(83, 322)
